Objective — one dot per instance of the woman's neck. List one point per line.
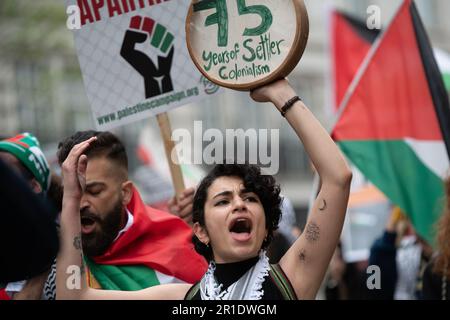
(228, 273)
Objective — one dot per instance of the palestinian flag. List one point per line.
(351, 41)
(395, 120)
(156, 249)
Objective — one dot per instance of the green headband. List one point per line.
(26, 148)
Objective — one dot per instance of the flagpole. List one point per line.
(171, 155)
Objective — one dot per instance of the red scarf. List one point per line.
(158, 240)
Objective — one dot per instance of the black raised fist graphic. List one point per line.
(156, 78)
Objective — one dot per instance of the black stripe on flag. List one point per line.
(360, 27)
(434, 77)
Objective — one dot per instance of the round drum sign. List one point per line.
(244, 44)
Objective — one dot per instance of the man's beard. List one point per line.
(97, 242)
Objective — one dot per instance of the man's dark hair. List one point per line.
(107, 145)
(262, 185)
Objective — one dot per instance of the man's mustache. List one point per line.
(86, 214)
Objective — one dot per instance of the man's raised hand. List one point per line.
(74, 170)
(183, 206)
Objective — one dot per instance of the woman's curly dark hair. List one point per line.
(262, 185)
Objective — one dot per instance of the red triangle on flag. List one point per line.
(349, 48)
(392, 99)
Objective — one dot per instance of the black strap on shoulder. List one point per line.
(282, 282)
(192, 291)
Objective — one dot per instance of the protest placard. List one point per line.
(134, 59)
(135, 64)
(244, 44)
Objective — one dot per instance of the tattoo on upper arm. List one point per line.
(77, 242)
(302, 255)
(312, 232)
(323, 205)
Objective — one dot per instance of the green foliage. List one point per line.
(34, 29)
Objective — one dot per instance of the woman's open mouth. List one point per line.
(241, 229)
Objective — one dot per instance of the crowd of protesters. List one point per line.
(410, 268)
(127, 245)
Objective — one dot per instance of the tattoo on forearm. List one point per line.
(77, 242)
(323, 206)
(312, 232)
(302, 255)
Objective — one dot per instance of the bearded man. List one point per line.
(128, 245)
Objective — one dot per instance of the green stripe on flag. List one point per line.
(125, 278)
(397, 171)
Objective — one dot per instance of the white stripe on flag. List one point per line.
(433, 154)
(443, 60)
(165, 279)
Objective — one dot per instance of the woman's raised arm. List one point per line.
(307, 260)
